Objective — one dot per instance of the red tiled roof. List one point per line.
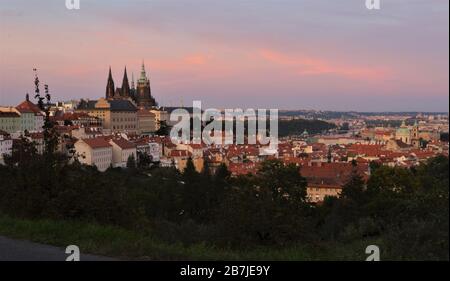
(196, 146)
(157, 139)
(142, 141)
(366, 149)
(180, 153)
(28, 106)
(361, 160)
(9, 114)
(423, 154)
(242, 168)
(383, 133)
(315, 185)
(97, 142)
(4, 134)
(319, 147)
(241, 150)
(123, 143)
(65, 129)
(331, 173)
(75, 116)
(295, 160)
(38, 135)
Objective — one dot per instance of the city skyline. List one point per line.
(274, 54)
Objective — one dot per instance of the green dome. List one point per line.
(403, 131)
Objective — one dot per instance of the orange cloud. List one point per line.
(182, 63)
(304, 65)
(196, 59)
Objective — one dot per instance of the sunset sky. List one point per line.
(286, 54)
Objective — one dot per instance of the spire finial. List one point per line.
(143, 77)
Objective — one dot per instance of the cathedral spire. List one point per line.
(143, 77)
(125, 85)
(132, 81)
(110, 86)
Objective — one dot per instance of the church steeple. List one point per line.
(110, 86)
(143, 77)
(403, 125)
(132, 81)
(143, 94)
(125, 85)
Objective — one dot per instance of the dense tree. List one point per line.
(298, 126)
(196, 193)
(143, 160)
(405, 211)
(354, 189)
(51, 136)
(164, 129)
(131, 162)
(345, 127)
(23, 153)
(266, 208)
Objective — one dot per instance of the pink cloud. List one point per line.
(197, 59)
(307, 65)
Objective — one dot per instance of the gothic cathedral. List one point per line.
(141, 95)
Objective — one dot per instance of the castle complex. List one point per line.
(129, 108)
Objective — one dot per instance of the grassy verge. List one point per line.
(125, 244)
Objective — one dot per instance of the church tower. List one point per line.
(125, 85)
(110, 89)
(415, 131)
(415, 137)
(143, 92)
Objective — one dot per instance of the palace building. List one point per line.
(116, 115)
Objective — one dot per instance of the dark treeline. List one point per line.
(389, 123)
(285, 127)
(349, 114)
(404, 211)
(298, 126)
